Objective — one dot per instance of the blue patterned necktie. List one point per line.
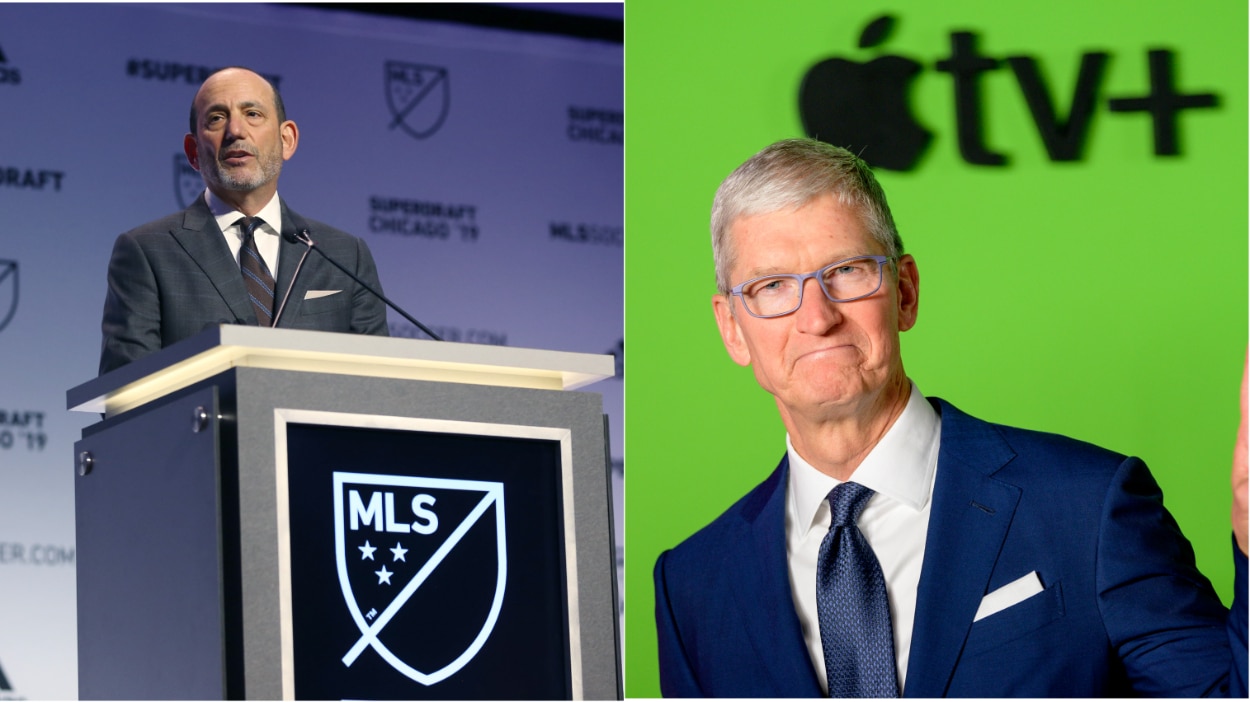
(851, 601)
(256, 276)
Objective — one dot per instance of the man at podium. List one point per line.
(214, 262)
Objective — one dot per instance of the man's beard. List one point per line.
(236, 180)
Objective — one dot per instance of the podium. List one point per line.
(280, 514)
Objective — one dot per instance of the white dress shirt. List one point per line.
(267, 235)
(900, 469)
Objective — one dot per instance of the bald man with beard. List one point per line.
(231, 257)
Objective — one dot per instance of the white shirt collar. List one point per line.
(900, 466)
(226, 215)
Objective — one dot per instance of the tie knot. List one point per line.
(249, 225)
(846, 502)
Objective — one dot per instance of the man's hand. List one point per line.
(1241, 476)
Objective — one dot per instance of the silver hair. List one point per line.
(789, 174)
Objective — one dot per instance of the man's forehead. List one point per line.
(781, 242)
(816, 218)
(242, 87)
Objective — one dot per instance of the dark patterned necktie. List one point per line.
(855, 629)
(256, 276)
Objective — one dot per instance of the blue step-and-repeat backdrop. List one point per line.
(483, 166)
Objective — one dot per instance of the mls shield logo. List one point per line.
(187, 182)
(422, 563)
(8, 292)
(418, 96)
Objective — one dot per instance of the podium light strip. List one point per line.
(220, 349)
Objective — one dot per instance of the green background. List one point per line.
(1104, 299)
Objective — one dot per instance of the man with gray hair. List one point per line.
(902, 546)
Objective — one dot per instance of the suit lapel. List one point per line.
(968, 522)
(203, 241)
(763, 594)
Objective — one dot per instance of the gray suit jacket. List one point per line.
(172, 278)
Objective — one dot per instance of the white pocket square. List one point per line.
(1012, 593)
(314, 294)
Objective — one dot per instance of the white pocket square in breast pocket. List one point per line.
(314, 294)
(1012, 593)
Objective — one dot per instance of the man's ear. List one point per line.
(908, 292)
(730, 331)
(192, 150)
(290, 138)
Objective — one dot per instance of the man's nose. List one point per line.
(235, 125)
(816, 313)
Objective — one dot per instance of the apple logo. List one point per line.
(863, 106)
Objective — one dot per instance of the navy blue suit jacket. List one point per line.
(1124, 612)
(169, 279)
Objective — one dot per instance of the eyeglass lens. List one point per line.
(780, 294)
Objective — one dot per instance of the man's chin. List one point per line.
(238, 185)
(827, 394)
(837, 392)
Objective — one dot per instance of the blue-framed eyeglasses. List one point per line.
(842, 281)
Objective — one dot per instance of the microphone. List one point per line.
(302, 237)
